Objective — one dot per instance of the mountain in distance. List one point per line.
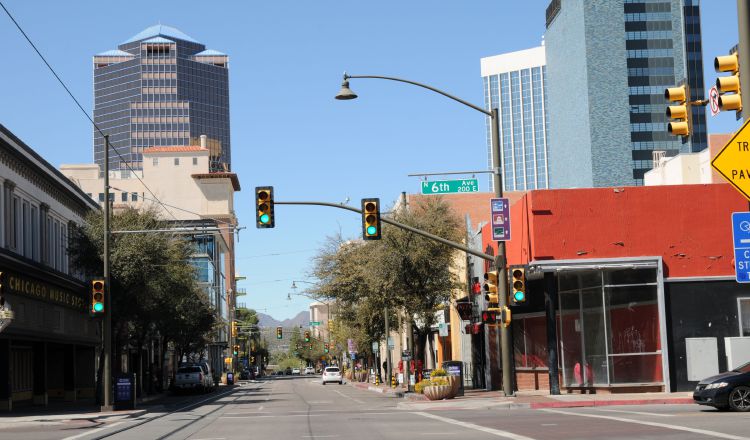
(302, 319)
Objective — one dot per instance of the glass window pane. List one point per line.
(745, 316)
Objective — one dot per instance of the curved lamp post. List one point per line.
(346, 94)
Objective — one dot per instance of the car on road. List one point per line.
(190, 377)
(296, 371)
(309, 370)
(332, 374)
(288, 371)
(730, 390)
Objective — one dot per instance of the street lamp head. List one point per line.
(345, 93)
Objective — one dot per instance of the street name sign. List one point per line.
(733, 161)
(500, 210)
(314, 323)
(741, 238)
(450, 186)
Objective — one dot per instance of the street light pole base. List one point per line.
(106, 408)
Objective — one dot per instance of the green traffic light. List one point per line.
(98, 307)
(372, 230)
(518, 296)
(264, 218)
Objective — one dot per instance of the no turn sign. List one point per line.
(713, 99)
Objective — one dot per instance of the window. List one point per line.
(744, 306)
(176, 160)
(124, 197)
(195, 161)
(133, 197)
(155, 161)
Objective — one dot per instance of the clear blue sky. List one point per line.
(286, 61)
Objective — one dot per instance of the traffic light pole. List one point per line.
(107, 320)
(506, 347)
(743, 52)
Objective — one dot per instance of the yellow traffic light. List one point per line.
(97, 297)
(681, 125)
(518, 285)
(371, 219)
(505, 317)
(264, 207)
(490, 287)
(730, 97)
(234, 328)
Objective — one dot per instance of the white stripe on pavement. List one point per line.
(496, 432)
(713, 434)
(348, 397)
(635, 412)
(93, 431)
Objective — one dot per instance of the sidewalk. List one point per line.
(475, 399)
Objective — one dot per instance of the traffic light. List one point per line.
(236, 349)
(680, 112)
(517, 285)
(730, 97)
(505, 317)
(307, 336)
(325, 347)
(489, 317)
(252, 359)
(371, 219)
(234, 328)
(264, 207)
(309, 346)
(490, 287)
(279, 333)
(97, 297)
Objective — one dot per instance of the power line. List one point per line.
(107, 144)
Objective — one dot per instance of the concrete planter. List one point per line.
(438, 392)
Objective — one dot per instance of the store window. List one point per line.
(530, 341)
(744, 316)
(609, 327)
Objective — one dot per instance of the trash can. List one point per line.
(455, 368)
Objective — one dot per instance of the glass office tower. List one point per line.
(515, 84)
(606, 98)
(161, 88)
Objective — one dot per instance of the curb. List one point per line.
(589, 403)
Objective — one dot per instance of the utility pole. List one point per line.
(743, 52)
(107, 320)
(387, 351)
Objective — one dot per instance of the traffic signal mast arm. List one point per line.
(399, 225)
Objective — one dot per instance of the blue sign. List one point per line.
(500, 216)
(741, 238)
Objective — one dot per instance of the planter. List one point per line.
(438, 392)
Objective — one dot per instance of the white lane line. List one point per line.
(93, 431)
(438, 433)
(320, 436)
(635, 412)
(348, 397)
(713, 434)
(549, 424)
(304, 415)
(495, 432)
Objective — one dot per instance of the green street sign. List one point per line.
(314, 322)
(450, 186)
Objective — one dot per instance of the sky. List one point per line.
(286, 63)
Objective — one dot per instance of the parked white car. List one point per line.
(190, 378)
(332, 374)
(309, 370)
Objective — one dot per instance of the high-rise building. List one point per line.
(515, 84)
(161, 88)
(608, 63)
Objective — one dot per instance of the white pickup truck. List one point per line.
(190, 378)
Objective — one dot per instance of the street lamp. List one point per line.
(506, 343)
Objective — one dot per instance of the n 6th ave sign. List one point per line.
(450, 186)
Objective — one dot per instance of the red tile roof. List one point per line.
(174, 149)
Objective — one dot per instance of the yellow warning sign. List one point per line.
(733, 161)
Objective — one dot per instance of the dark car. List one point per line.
(730, 390)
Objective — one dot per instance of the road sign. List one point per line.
(391, 345)
(375, 346)
(314, 323)
(442, 329)
(450, 186)
(713, 99)
(500, 209)
(732, 160)
(741, 238)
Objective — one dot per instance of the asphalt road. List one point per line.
(301, 408)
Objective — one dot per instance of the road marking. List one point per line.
(93, 431)
(635, 412)
(492, 431)
(549, 424)
(438, 433)
(658, 425)
(303, 415)
(320, 436)
(348, 397)
(212, 438)
(260, 408)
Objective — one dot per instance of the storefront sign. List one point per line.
(32, 288)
